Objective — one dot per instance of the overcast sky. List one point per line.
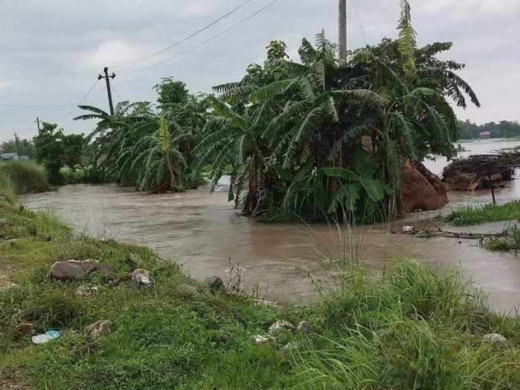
(52, 51)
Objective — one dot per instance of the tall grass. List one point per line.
(7, 189)
(413, 329)
(490, 213)
(27, 177)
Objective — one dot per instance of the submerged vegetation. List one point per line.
(410, 328)
(474, 215)
(311, 139)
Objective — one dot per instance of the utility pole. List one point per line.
(38, 124)
(342, 38)
(17, 140)
(107, 78)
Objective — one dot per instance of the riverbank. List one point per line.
(412, 327)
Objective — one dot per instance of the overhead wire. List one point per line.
(79, 103)
(208, 26)
(360, 22)
(205, 42)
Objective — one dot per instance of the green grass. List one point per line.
(7, 190)
(26, 176)
(489, 213)
(412, 328)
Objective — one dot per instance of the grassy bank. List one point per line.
(489, 213)
(26, 177)
(411, 328)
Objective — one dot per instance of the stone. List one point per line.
(26, 328)
(421, 189)
(141, 277)
(3, 222)
(494, 338)
(281, 326)
(73, 269)
(262, 340)
(186, 289)
(215, 284)
(304, 327)
(290, 346)
(9, 287)
(85, 291)
(408, 229)
(100, 328)
(266, 303)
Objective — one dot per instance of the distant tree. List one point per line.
(503, 129)
(54, 150)
(26, 147)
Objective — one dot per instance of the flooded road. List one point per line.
(202, 232)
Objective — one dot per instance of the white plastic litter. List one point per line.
(46, 337)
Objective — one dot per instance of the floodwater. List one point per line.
(284, 262)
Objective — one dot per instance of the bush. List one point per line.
(490, 213)
(26, 177)
(6, 187)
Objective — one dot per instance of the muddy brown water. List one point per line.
(202, 232)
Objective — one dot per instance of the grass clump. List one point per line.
(26, 177)
(7, 190)
(472, 215)
(411, 328)
(511, 242)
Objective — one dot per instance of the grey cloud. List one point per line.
(48, 48)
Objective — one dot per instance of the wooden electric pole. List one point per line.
(17, 140)
(342, 38)
(107, 78)
(38, 124)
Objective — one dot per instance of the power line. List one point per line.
(205, 42)
(79, 103)
(143, 59)
(360, 22)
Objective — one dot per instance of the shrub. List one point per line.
(26, 177)
(7, 190)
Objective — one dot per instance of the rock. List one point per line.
(290, 346)
(304, 327)
(494, 338)
(263, 302)
(26, 328)
(141, 278)
(281, 326)
(73, 269)
(186, 289)
(215, 284)
(100, 328)
(3, 222)
(408, 229)
(262, 340)
(9, 287)
(421, 189)
(85, 291)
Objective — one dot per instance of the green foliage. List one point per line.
(25, 147)
(147, 149)
(26, 177)
(55, 150)
(414, 328)
(7, 190)
(503, 129)
(473, 215)
(286, 124)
